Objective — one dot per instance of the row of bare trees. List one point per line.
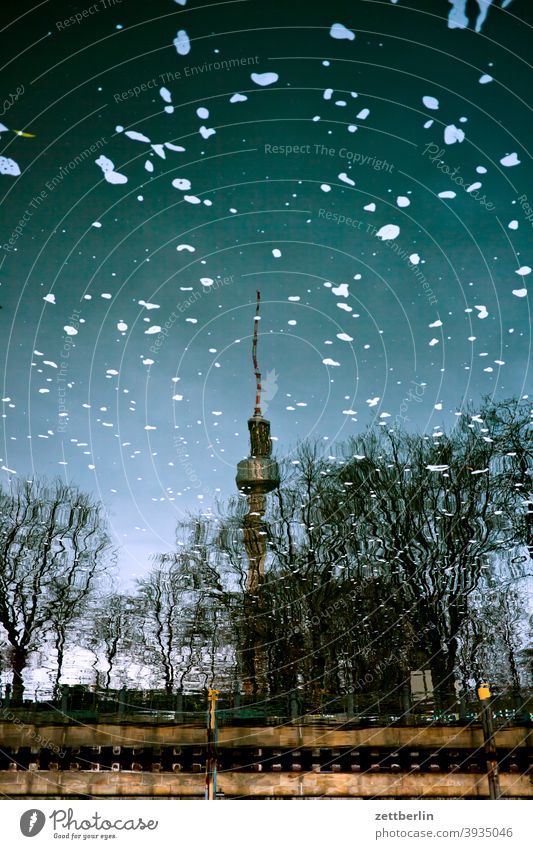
(403, 552)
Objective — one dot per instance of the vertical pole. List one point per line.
(483, 694)
(211, 760)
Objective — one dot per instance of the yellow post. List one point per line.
(211, 760)
(483, 694)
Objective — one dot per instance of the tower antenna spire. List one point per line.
(257, 411)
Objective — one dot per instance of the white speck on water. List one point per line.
(520, 293)
(276, 253)
(344, 337)
(433, 342)
(345, 307)
(182, 184)
(373, 402)
(325, 187)
(267, 78)
(329, 362)
(370, 207)
(437, 323)
(402, 201)
(69, 330)
(206, 281)
(387, 232)
(328, 94)
(430, 102)
(345, 179)
(237, 98)
(202, 113)
(154, 328)
(429, 124)
(523, 271)
(513, 225)
(165, 94)
(340, 32)
(9, 166)
(108, 170)
(122, 326)
(485, 78)
(447, 194)
(182, 43)
(453, 134)
(192, 199)
(363, 114)
(149, 166)
(509, 160)
(414, 259)
(186, 248)
(50, 298)
(341, 291)
(482, 310)
(133, 134)
(206, 132)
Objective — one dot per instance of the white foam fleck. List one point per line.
(186, 248)
(352, 128)
(177, 397)
(523, 271)
(206, 132)
(328, 93)
(437, 323)
(345, 179)
(433, 342)
(345, 307)
(344, 337)
(148, 165)
(513, 225)
(447, 194)
(50, 298)
(176, 147)
(363, 114)
(182, 184)
(341, 291)
(237, 98)
(429, 124)
(9, 166)
(453, 134)
(202, 113)
(206, 281)
(96, 224)
(509, 160)
(133, 134)
(485, 78)
(370, 207)
(267, 78)
(387, 232)
(159, 149)
(402, 201)
(340, 32)
(148, 306)
(276, 253)
(325, 187)
(373, 402)
(182, 43)
(108, 170)
(329, 362)
(165, 94)
(414, 259)
(69, 330)
(192, 199)
(154, 328)
(430, 102)
(520, 293)
(293, 298)
(122, 326)
(482, 310)
(474, 187)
